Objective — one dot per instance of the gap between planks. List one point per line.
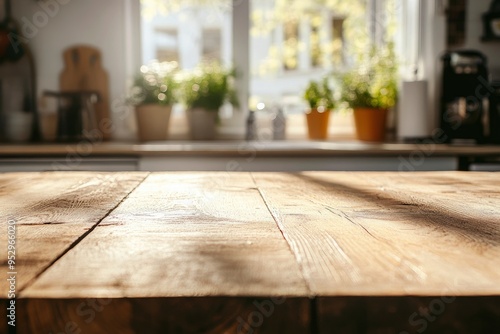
(84, 235)
(313, 300)
(281, 228)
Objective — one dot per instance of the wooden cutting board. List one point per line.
(83, 71)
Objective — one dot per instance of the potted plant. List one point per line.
(153, 95)
(319, 97)
(370, 89)
(204, 91)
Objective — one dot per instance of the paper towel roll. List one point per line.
(413, 118)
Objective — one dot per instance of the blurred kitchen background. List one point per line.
(277, 47)
(289, 44)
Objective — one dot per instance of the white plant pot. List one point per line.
(152, 121)
(202, 124)
(18, 126)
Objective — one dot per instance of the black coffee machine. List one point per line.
(494, 129)
(465, 94)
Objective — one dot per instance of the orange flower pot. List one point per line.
(370, 124)
(317, 124)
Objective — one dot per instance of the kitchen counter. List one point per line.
(274, 156)
(235, 148)
(311, 252)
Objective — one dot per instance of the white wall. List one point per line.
(102, 24)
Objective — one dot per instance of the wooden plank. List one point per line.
(448, 191)
(222, 315)
(353, 236)
(374, 234)
(180, 235)
(52, 211)
(463, 205)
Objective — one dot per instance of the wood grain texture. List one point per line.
(195, 252)
(180, 235)
(169, 315)
(380, 234)
(52, 211)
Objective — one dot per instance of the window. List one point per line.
(291, 45)
(315, 40)
(291, 41)
(185, 31)
(212, 45)
(167, 45)
(338, 41)
(303, 40)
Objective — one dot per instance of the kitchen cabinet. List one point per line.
(67, 164)
(295, 164)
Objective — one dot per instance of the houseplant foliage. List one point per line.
(153, 94)
(373, 83)
(155, 84)
(370, 89)
(204, 91)
(319, 97)
(209, 86)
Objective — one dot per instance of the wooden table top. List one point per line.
(302, 252)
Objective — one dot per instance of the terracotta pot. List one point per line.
(370, 124)
(152, 121)
(202, 123)
(317, 124)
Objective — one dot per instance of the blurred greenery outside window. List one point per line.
(291, 41)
